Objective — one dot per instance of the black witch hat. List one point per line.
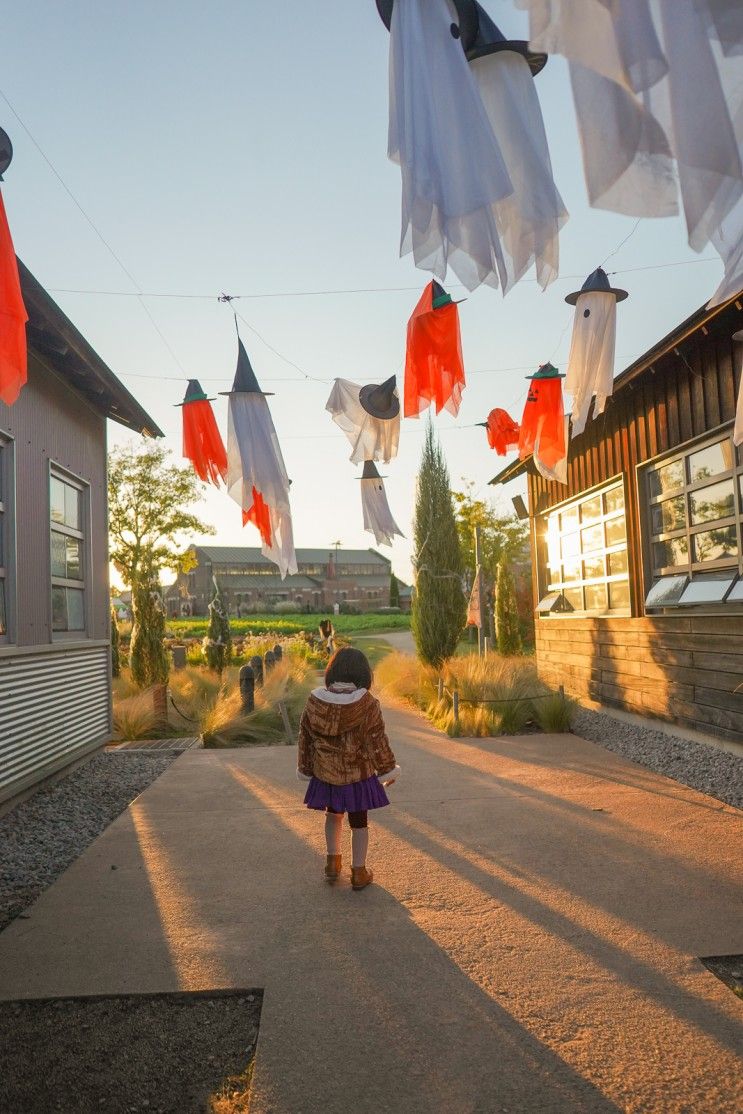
(546, 371)
(194, 393)
(6, 152)
(371, 472)
(491, 40)
(440, 297)
(245, 380)
(597, 282)
(380, 400)
(467, 16)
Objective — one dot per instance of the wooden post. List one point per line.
(455, 704)
(486, 645)
(268, 661)
(440, 692)
(160, 704)
(246, 678)
(257, 663)
(285, 720)
(481, 592)
(278, 653)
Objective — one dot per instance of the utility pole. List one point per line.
(480, 593)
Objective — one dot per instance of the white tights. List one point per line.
(359, 839)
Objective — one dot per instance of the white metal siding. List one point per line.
(53, 705)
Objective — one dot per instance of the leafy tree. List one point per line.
(394, 591)
(439, 604)
(500, 534)
(115, 645)
(218, 641)
(148, 499)
(506, 612)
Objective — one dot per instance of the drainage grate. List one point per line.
(182, 1052)
(728, 969)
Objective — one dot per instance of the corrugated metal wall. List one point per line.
(55, 706)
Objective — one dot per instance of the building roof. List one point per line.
(238, 555)
(241, 583)
(55, 341)
(700, 319)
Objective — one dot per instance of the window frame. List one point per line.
(8, 553)
(692, 568)
(544, 579)
(83, 535)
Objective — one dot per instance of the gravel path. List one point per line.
(44, 834)
(706, 768)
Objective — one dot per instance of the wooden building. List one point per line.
(55, 659)
(638, 561)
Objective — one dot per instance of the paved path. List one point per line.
(530, 945)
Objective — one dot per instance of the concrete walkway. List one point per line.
(530, 944)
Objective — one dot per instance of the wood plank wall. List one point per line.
(684, 668)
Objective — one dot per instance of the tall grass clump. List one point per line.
(554, 713)
(134, 716)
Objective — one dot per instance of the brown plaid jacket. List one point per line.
(343, 743)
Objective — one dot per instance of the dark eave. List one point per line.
(53, 337)
(703, 318)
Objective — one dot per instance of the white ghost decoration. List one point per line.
(378, 518)
(369, 416)
(591, 361)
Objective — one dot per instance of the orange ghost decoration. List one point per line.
(502, 430)
(13, 318)
(202, 441)
(434, 369)
(543, 422)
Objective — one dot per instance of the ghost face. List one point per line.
(591, 360)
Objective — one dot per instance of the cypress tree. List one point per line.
(218, 641)
(394, 591)
(506, 611)
(115, 646)
(439, 605)
(147, 657)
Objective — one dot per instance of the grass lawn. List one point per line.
(291, 624)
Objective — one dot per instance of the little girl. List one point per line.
(345, 755)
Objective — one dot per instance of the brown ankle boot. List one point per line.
(360, 877)
(333, 868)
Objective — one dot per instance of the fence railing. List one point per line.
(456, 699)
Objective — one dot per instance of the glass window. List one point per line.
(667, 478)
(669, 515)
(710, 503)
(667, 591)
(67, 544)
(708, 588)
(673, 552)
(711, 461)
(736, 593)
(716, 545)
(588, 578)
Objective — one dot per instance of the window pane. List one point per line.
(74, 569)
(553, 550)
(667, 591)
(715, 501)
(570, 545)
(673, 552)
(59, 609)
(617, 562)
(3, 616)
(707, 589)
(716, 545)
(592, 538)
(616, 531)
(711, 461)
(593, 567)
(75, 609)
(58, 554)
(596, 599)
(736, 596)
(569, 519)
(571, 570)
(667, 478)
(591, 509)
(614, 500)
(574, 596)
(618, 595)
(669, 515)
(71, 507)
(56, 496)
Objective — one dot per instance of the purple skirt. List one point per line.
(356, 797)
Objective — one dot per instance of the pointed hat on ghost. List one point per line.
(597, 283)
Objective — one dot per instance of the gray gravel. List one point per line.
(718, 773)
(44, 834)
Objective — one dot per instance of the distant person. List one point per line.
(345, 755)
(327, 632)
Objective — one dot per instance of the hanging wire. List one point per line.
(624, 241)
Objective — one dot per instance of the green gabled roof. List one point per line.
(237, 554)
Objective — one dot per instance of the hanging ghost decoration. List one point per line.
(202, 441)
(434, 368)
(591, 361)
(738, 354)
(369, 416)
(378, 518)
(543, 425)
(503, 433)
(13, 316)
(256, 475)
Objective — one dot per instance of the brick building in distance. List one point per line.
(250, 582)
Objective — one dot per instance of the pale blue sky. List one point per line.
(223, 147)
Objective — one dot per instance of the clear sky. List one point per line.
(240, 146)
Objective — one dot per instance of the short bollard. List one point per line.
(257, 664)
(440, 692)
(179, 657)
(269, 661)
(246, 679)
(278, 653)
(455, 705)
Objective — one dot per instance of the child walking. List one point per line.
(345, 755)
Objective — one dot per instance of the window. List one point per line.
(67, 557)
(6, 537)
(586, 568)
(694, 511)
